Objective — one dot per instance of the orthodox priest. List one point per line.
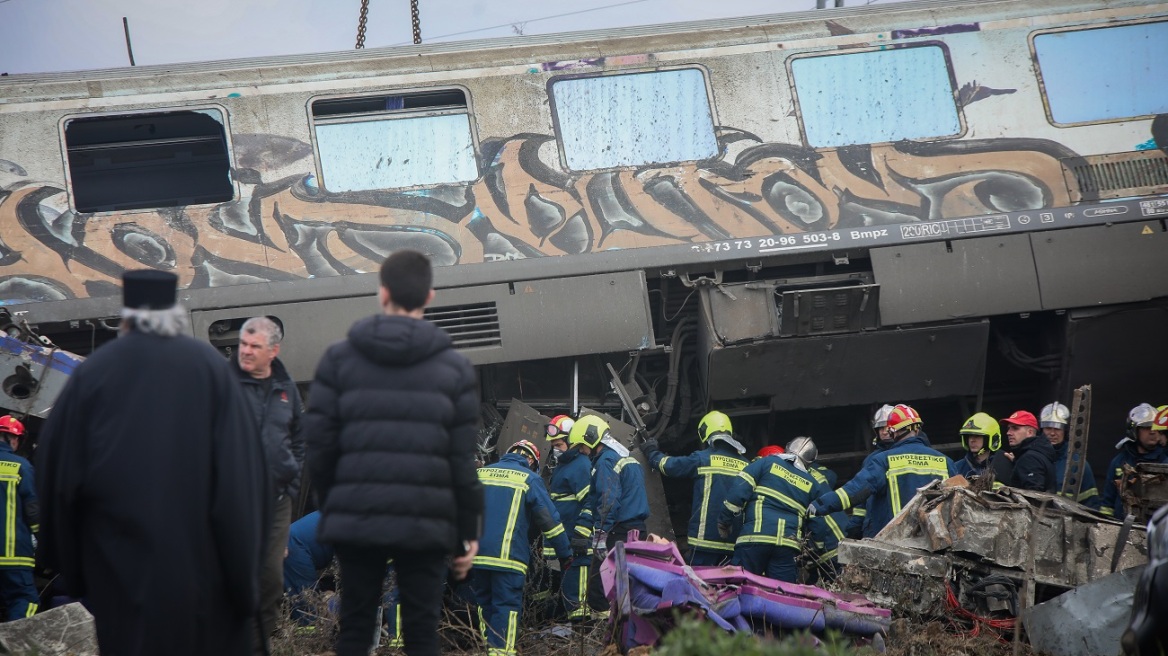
(153, 487)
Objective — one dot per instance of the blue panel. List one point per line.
(875, 97)
(1105, 73)
(396, 152)
(632, 120)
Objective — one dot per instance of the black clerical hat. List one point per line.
(149, 289)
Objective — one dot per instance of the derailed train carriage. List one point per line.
(791, 218)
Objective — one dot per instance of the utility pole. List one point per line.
(129, 48)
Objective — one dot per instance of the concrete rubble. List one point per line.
(64, 631)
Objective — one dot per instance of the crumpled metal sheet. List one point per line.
(1086, 621)
(1007, 528)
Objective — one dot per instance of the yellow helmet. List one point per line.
(588, 431)
(713, 423)
(985, 426)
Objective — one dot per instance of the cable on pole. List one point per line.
(417, 21)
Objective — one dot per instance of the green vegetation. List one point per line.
(694, 637)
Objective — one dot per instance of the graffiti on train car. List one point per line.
(284, 227)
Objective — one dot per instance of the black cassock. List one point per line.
(151, 481)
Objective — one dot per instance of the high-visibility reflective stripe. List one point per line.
(748, 478)
(828, 557)
(711, 545)
(758, 504)
(11, 480)
(512, 630)
(894, 478)
(845, 501)
(577, 496)
(482, 623)
(817, 475)
(1110, 512)
(512, 517)
(661, 464)
(781, 498)
(1087, 494)
(859, 512)
(491, 561)
(623, 462)
(554, 531)
(705, 509)
(769, 539)
(733, 508)
(502, 476)
(835, 529)
(583, 530)
(32, 609)
(17, 561)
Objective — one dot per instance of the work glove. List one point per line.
(565, 563)
(813, 510)
(649, 446)
(724, 530)
(580, 545)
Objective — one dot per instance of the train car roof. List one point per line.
(923, 14)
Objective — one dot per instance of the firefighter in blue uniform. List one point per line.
(712, 470)
(514, 498)
(981, 437)
(892, 476)
(774, 491)
(826, 535)
(570, 483)
(617, 500)
(1141, 444)
(21, 516)
(1055, 419)
(881, 440)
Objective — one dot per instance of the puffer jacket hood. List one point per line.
(397, 340)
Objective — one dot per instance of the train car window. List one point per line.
(140, 161)
(1106, 73)
(876, 96)
(392, 141)
(633, 119)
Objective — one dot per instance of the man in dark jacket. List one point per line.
(1033, 458)
(391, 428)
(1140, 444)
(275, 405)
(153, 486)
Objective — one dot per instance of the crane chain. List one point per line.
(361, 24)
(417, 21)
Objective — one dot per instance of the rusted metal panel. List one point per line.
(524, 422)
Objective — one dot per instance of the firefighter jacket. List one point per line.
(1033, 465)
(22, 512)
(891, 477)
(712, 469)
(969, 465)
(514, 498)
(1111, 504)
(827, 534)
(775, 495)
(571, 482)
(1088, 493)
(618, 492)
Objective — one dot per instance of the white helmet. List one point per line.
(1054, 415)
(881, 418)
(1141, 416)
(803, 448)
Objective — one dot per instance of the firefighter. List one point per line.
(1141, 444)
(881, 440)
(712, 470)
(21, 515)
(981, 438)
(514, 497)
(617, 501)
(769, 450)
(1054, 420)
(892, 476)
(774, 492)
(570, 483)
(826, 535)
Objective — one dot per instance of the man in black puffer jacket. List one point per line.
(1033, 458)
(391, 429)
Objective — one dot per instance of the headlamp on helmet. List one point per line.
(982, 425)
(588, 431)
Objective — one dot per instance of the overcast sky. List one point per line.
(39, 36)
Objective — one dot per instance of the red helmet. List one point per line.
(10, 424)
(770, 450)
(526, 448)
(903, 416)
(560, 427)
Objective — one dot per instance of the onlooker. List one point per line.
(275, 406)
(306, 558)
(153, 487)
(1033, 458)
(391, 428)
(20, 515)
